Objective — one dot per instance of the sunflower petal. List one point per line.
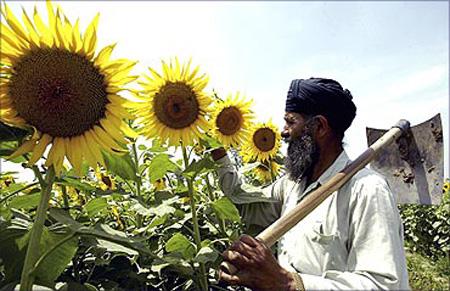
(93, 146)
(39, 149)
(107, 139)
(26, 147)
(90, 37)
(14, 23)
(104, 55)
(84, 146)
(34, 37)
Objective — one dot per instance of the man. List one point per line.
(353, 240)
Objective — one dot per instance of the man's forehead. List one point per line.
(292, 115)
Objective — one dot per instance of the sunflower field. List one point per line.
(125, 193)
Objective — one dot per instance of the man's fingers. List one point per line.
(243, 248)
(231, 279)
(249, 240)
(235, 258)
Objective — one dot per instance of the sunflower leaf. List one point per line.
(122, 166)
(225, 209)
(200, 166)
(160, 165)
(181, 244)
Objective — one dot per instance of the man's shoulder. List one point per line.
(367, 182)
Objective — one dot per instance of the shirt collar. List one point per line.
(339, 163)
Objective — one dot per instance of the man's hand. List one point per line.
(257, 267)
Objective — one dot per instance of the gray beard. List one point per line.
(302, 155)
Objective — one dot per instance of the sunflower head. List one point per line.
(174, 104)
(231, 120)
(55, 84)
(446, 187)
(263, 143)
(267, 171)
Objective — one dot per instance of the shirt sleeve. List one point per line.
(376, 259)
(258, 206)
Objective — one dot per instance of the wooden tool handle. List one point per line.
(277, 229)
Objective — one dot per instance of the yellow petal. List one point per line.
(90, 37)
(14, 23)
(94, 146)
(40, 149)
(26, 147)
(77, 153)
(46, 36)
(112, 130)
(84, 146)
(106, 139)
(104, 55)
(34, 37)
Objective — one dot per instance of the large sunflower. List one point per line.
(54, 83)
(264, 142)
(175, 104)
(231, 120)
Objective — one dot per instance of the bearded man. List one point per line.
(353, 240)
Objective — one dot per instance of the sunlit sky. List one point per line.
(392, 56)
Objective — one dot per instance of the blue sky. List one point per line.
(392, 56)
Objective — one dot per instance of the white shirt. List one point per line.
(353, 240)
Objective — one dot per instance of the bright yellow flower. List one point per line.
(55, 84)
(263, 144)
(264, 174)
(160, 184)
(446, 187)
(231, 120)
(174, 104)
(105, 181)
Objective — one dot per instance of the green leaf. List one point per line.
(102, 232)
(198, 167)
(225, 209)
(96, 206)
(181, 244)
(142, 147)
(120, 165)
(206, 254)
(159, 166)
(76, 183)
(25, 201)
(157, 147)
(56, 262)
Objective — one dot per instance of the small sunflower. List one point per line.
(174, 104)
(264, 174)
(231, 120)
(104, 181)
(160, 184)
(53, 82)
(263, 144)
(446, 187)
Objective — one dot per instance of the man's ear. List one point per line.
(322, 127)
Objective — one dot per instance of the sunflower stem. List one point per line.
(137, 183)
(26, 281)
(198, 241)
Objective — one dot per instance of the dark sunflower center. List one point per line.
(264, 139)
(176, 105)
(229, 120)
(59, 92)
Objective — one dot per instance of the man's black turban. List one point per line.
(318, 96)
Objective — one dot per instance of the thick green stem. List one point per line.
(137, 183)
(26, 281)
(198, 241)
(211, 196)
